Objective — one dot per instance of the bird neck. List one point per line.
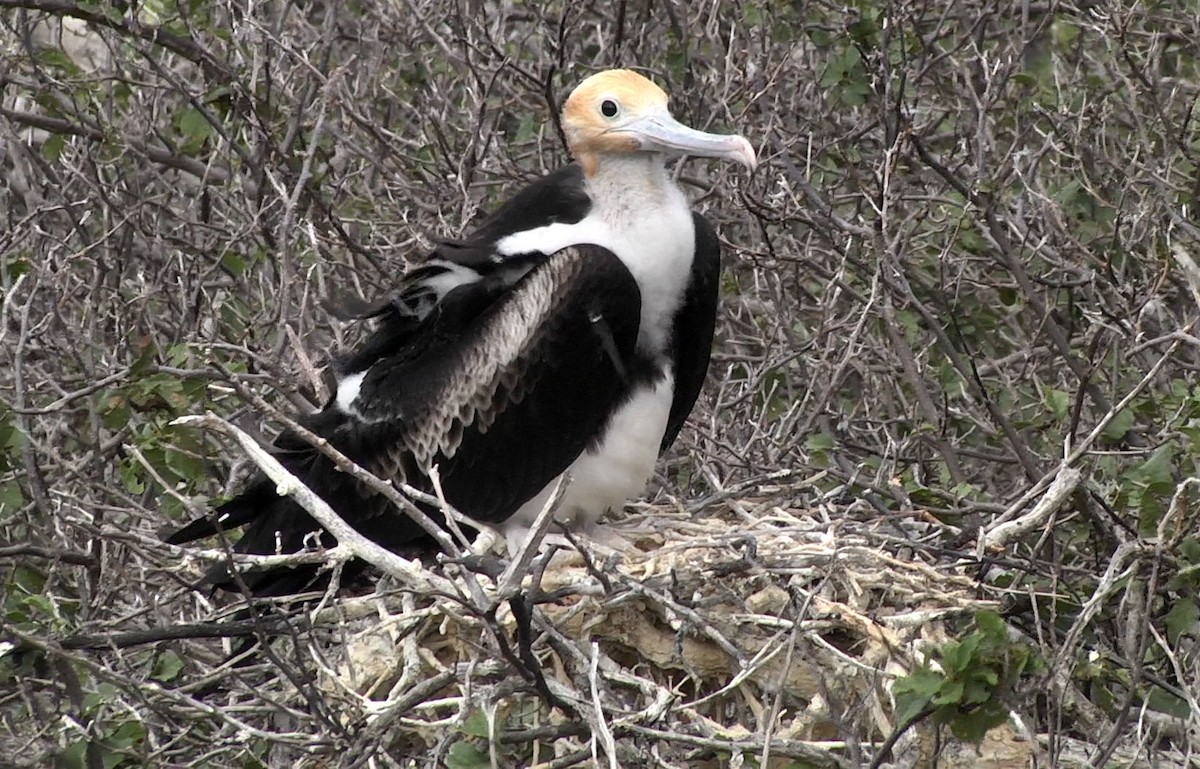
(622, 185)
(647, 222)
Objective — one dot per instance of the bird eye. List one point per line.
(608, 108)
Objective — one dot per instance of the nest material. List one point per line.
(782, 636)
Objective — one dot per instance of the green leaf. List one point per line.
(167, 666)
(972, 726)
(1165, 702)
(115, 412)
(233, 261)
(1182, 618)
(965, 491)
(28, 579)
(1064, 32)
(979, 690)
(915, 691)
(1058, 402)
(865, 31)
(951, 693)
(195, 128)
(129, 734)
(1160, 467)
(185, 465)
(1119, 425)
(52, 148)
(958, 657)
(130, 473)
(15, 268)
(464, 755)
(12, 498)
(1019, 660)
(74, 756)
(819, 442)
(56, 58)
(991, 624)
(476, 724)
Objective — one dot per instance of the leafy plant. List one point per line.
(972, 683)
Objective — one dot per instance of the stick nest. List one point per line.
(706, 638)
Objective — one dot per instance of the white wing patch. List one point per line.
(455, 275)
(348, 389)
(555, 237)
(426, 292)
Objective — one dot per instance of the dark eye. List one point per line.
(608, 108)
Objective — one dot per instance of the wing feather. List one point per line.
(502, 388)
(538, 372)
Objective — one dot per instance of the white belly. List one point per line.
(615, 471)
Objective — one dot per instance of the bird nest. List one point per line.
(704, 641)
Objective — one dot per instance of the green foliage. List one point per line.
(32, 602)
(1058, 402)
(465, 755)
(846, 78)
(52, 148)
(1182, 619)
(1182, 597)
(474, 751)
(974, 684)
(819, 445)
(194, 128)
(12, 496)
(167, 666)
(57, 60)
(114, 734)
(1120, 424)
(1145, 489)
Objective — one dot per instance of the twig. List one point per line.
(356, 544)
(605, 735)
(48, 553)
(816, 756)
(1061, 489)
(348, 466)
(1086, 443)
(510, 580)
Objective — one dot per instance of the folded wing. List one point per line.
(501, 386)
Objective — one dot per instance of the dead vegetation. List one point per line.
(955, 380)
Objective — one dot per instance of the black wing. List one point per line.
(501, 388)
(559, 197)
(693, 328)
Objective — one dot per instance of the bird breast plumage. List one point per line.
(652, 234)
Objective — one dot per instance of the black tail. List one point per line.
(273, 524)
(230, 516)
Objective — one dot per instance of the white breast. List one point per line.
(654, 236)
(618, 469)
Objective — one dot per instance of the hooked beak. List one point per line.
(663, 133)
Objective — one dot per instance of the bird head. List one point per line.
(620, 112)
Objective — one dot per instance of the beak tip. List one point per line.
(746, 154)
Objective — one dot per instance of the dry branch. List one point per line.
(351, 544)
(960, 284)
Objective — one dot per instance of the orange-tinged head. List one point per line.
(619, 111)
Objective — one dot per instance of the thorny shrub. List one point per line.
(963, 259)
